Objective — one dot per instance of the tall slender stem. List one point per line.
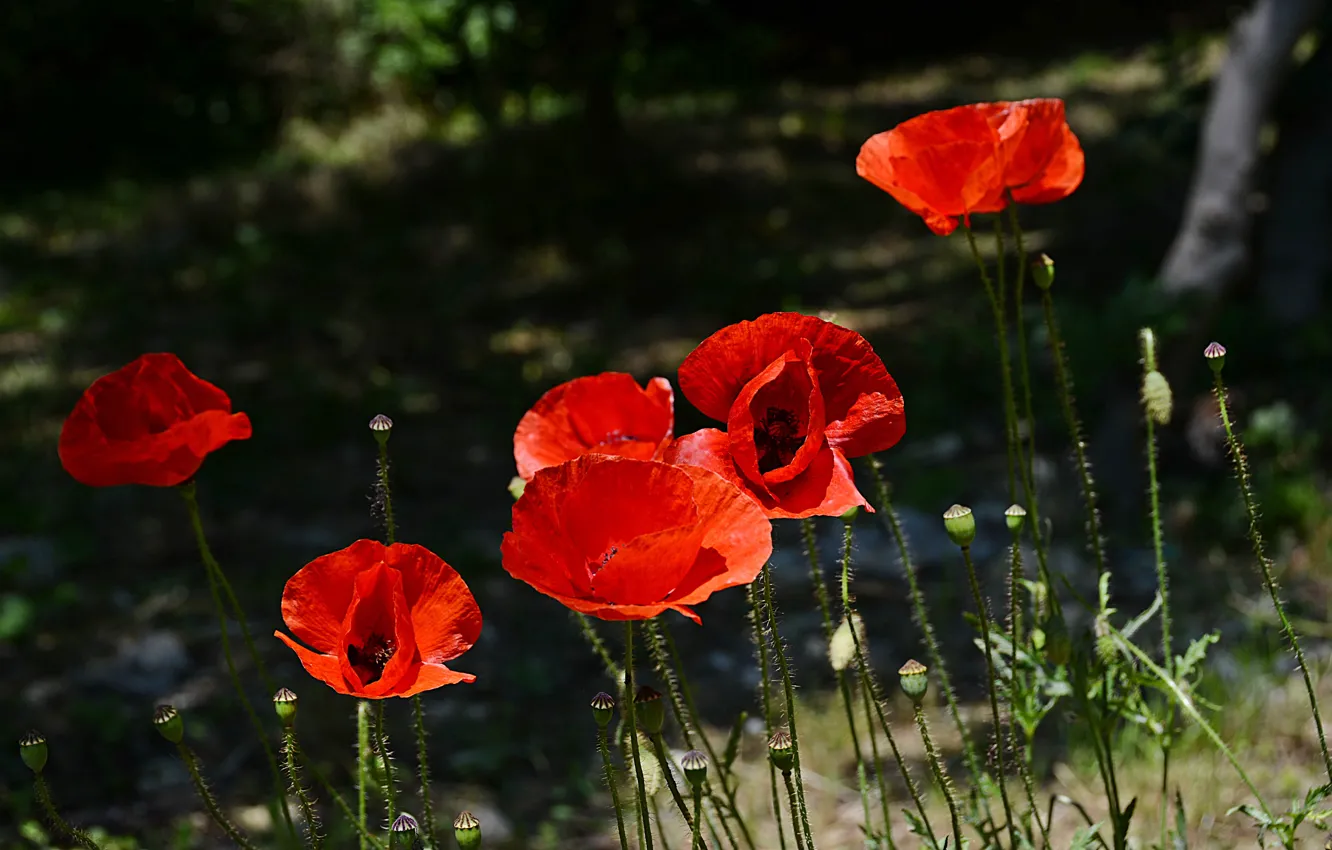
(385, 494)
(1265, 563)
(793, 801)
(788, 692)
(381, 744)
(423, 765)
(759, 620)
(697, 841)
(1001, 743)
(1064, 383)
(1005, 370)
(1014, 634)
(598, 645)
(54, 818)
(363, 756)
(209, 801)
(940, 775)
(218, 586)
(343, 806)
(667, 770)
(608, 769)
(292, 759)
(644, 815)
(922, 617)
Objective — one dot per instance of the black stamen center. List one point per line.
(777, 438)
(368, 660)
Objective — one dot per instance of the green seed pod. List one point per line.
(381, 426)
(1215, 353)
(650, 709)
(915, 680)
(960, 525)
(169, 724)
(781, 751)
(32, 749)
(1014, 516)
(603, 708)
(695, 766)
(1042, 271)
(849, 515)
(284, 703)
(402, 833)
(1157, 398)
(467, 831)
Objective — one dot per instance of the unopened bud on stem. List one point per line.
(960, 525)
(467, 831)
(32, 749)
(603, 708)
(650, 709)
(915, 680)
(168, 723)
(284, 703)
(782, 751)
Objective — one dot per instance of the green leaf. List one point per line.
(733, 742)
(1085, 837)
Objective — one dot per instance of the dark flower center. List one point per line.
(369, 658)
(777, 438)
(604, 559)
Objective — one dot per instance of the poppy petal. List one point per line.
(316, 598)
(379, 626)
(426, 677)
(735, 528)
(609, 502)
(782, 404)
(445, 617)
(826, 488)
(645, 569)
(325, 668)
(874, 423)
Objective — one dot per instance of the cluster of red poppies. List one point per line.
(618, 518)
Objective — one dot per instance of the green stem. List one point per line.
(996, 300)
(922, 619)
(697, 841)
(630, 713)
(386, 495)
(357, 822)
(217, 586)
(53, 817)
(940, 775)
(1265, 563)
(667, 770)
(1001, 740)
(423, 763)
(666, 659)
(608, 769)
(829, 630)
(598, 646)
(759, 621)
(788, 692)
(793, 801)
(1064, 383)
(209, 801)
(291, 757)
(381, 744)
(1014, 634)
(363, 756)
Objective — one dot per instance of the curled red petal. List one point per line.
(315, 600)
(445, 617)
(325, 668)
(377, 620)
(776, 423)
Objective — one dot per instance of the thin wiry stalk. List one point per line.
(357, 822)
(940, 774)
(793, 801)
(1265, 563)
(922, 618)
(386, 761)
(667, 770)
(759, 621)
(54, 818)
(598, 646)
(788, 692)
(291, 761)
(631, 715)
(603, 744)
(423, 765)
(363, 757)
(1014, 633)
(1005, 371)
(209, 801)
(385, 495)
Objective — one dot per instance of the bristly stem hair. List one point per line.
(291, 753)
(644, 815)
(760, 622)
(363, 756)
(788, 692)
(1264, 562)
(54, 818)
(209, 801)
(996, 299)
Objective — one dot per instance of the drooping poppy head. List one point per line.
(150, 422)
(799, 396)
(948, 164)
(602, 414)
(941, 165)
(627, 539)
(380, 621)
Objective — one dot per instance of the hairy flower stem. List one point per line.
(1027, 457)
(1014, 634)
(666, 660)
(291, 753)
(361, 831)
(608, 770)
(644, 815)
(697, 841)
(423, 765)
(667, 770)
(759, 621)
(598, 646)
(1064, 383)
(922, 618)
(218, 586)
(386, 762)
(1265, 563)
(996, 299)
(788, 692)
(940, 775)
(794, 802)
(53, 817)
(1001, 740)
(363, 756)
(843, 686)
(385, 495)
(209, 801)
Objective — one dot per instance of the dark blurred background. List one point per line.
(438, 209)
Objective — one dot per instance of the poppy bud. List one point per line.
(168, 723)
(402, 833)
(1215, 353)
(849, 515)
(915, 680)
(603, 707)
(467, 830)
(1042, 271)
(960, 525)
(695, 766)
(516, 487)
(1014, 517)
(781, 751)
(32, 749)
(1156, 397)
(381, 426)
(284, 703)
(651, 710)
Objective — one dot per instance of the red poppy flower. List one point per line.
(150, 422)
(381, 621)
(604, 414)
(948, 164)
(799, 396)
(626, 539)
